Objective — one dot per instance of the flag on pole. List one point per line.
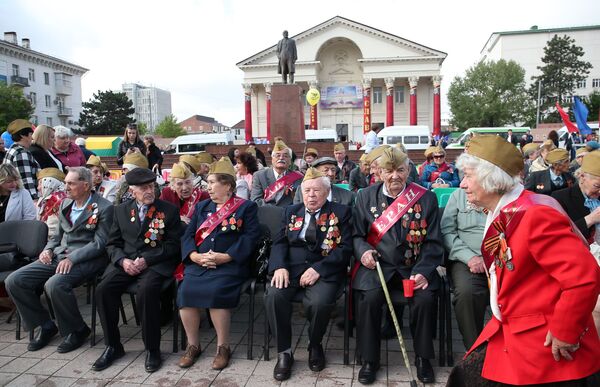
(581, 114)
(570, 126)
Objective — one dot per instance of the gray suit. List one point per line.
(84, 245)
(338, 195)
(261, 180)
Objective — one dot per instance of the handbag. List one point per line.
(10, 257)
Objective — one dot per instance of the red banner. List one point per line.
(413, 105)
(437, 119)
(248, 117)
(215, 219)
(313, 117)
(389, 112)
(565, 118)
(367, 110)
(281, 183)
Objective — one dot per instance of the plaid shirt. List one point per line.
(22, 159)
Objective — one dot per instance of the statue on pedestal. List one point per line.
(287, 55)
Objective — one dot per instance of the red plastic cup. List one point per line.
(409, 287)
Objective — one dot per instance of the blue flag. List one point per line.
(581, 113)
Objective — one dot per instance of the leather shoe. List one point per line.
(153, 360)
(189, 357)
(424, 370)
(109, 355)
(283, 368)
(42, 338)
(367, 372)
(316, 358)
(74, 340)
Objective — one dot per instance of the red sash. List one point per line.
(436, 174)
(188, 206)
(215, 219)
(282, 182)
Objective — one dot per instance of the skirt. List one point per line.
(211, 289)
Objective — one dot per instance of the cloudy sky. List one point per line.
(190, 47)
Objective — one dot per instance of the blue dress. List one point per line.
(218, 288)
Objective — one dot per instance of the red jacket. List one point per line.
(73, 157)
(553, 287)
(169, 195)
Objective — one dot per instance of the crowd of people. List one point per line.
(518, 236)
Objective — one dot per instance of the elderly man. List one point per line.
(344, 165)
(182, 193)
(554, 178)
(398, 224)
(74, 255)
(143, 247)
(544, 281)
(105, 188)
(327, 166)
(358, 176)
(309, 256)
(69, 154)
(276, 185)
(19, 156)
(131, 161)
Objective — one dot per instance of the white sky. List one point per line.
(190, 47)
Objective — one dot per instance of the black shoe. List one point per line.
(283, 368)
(42, 338)
(368, 372)
(424, 370)
(109, 355)
(316, 358)
(74, 340)
(153, 360)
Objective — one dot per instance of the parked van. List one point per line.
(413, 137)
(194, 143)
(501, 131)
(321, 135)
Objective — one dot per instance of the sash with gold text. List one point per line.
(281, 183)
(215, 219)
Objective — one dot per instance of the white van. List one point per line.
(321, 135)
(194, 143)
(413, 137)
(499, 131)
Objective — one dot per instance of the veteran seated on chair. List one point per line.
(310, 256)
(73, 256)
(144, 249)
(398, 224)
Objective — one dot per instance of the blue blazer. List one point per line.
(240, 243)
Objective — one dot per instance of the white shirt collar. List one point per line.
(387, 193)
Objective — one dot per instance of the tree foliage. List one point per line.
(107, 112)
(592, 102)
(13, 105)
(490, 94)
(562, 69)
(169, 128)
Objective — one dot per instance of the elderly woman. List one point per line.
(69, 154)
(131, 143)
(246, 166)
(182, 193)
(544, 281)
(43, 141)
(15, 202)
(51, 186)
(216, 251)
(554, 178)
(103, 187)
(439, 173)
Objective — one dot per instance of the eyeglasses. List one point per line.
(438, 156)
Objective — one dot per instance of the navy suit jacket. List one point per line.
(240, 243)
(292, 253)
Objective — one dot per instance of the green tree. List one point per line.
(107, 112)
(142, 128)
(562, 69)
(592, 102)
(169, 128)
(490, 94)
(13, 105)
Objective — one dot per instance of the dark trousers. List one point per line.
(471, 298)
(318, 301)
(368, 304)
(108, 295)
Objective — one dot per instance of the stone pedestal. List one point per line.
(287, 113)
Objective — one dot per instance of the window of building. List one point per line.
(581, 84)
(33, 98)
(49, 121)
(48, 100)
(377, 95)
(399, 94)
(15, 70)
(596, 82)
(46, 79)
(32, 75)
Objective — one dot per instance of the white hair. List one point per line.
(325, 182)
(80, 141)
(288, 149)
(62, 132)
(491, 177)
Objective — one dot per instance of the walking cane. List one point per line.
(413, 382)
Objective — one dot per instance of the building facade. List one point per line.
(527, 49)
(151, 104)
(52, 85)
(197, 124)
(365, 77)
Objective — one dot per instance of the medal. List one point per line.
(132, 219)
(146, 240)
(233, 227)
(510, 266)
(418, 215)
(153, 244)
(323, 229)
(223, 228)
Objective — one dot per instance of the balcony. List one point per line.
(65, 112)
(19, 81)
(63, 87)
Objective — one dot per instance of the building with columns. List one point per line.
(365, 76)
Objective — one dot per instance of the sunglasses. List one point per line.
(438, 157)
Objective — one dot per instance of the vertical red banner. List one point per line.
(313, 117)
(389, 112)
(437, 118)
(269, 116)
(248, 112)
(367, 110)
(413, 99)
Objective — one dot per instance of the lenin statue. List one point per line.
(286, 53)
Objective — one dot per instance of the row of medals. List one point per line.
(416, 233)
(504, 258)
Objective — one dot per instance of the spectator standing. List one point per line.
(153, 154)
(43, 141)
(19, 156)
(343, 163)
(130, 143)
(371, 141)
(65, 150)
(2, 149)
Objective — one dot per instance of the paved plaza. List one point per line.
(46, 367)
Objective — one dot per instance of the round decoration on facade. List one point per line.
(313, 96)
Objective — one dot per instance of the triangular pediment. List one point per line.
(374, 44)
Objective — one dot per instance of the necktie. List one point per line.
(311, 231)
(142, 213)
